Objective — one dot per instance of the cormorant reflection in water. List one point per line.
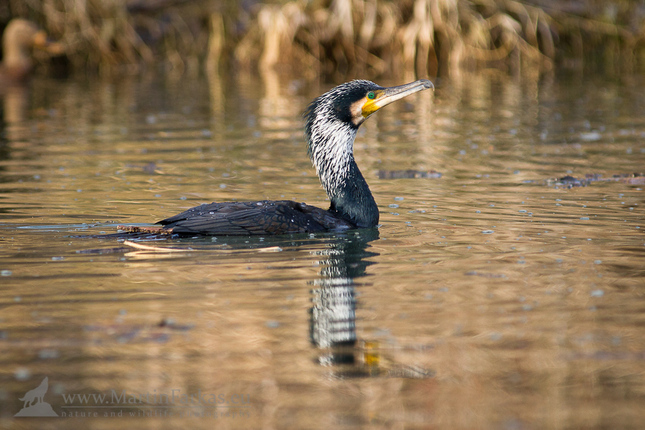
(333, 314)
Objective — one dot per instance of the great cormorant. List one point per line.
(331, 123)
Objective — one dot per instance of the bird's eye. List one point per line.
(371, 95)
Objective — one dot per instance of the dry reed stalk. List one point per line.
(215, 43)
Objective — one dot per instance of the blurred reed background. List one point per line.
(341, 37)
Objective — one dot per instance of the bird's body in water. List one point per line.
(331, 123)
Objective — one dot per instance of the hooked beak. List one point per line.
(388, 95)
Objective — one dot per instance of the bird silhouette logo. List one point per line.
(35, 405)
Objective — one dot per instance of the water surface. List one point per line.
(489, 297)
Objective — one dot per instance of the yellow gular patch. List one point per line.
(365, 107)
(371, 104)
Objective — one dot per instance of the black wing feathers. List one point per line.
(253, 218)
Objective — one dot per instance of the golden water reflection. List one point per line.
(488, 298)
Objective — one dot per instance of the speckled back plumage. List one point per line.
(265, 217)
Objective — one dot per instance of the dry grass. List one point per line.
(367, 37)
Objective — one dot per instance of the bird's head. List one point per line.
(353, 102)
(332, 119)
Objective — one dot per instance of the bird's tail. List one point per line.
(141, 229)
